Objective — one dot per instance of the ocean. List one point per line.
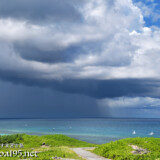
(96, 131)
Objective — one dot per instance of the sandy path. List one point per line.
(87, 154)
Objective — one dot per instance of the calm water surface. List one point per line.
(91, 130)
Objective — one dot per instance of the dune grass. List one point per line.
(55, 146)
(121, 149)
(50, 140)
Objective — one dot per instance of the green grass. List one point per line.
(63, 152)
(120, 150)
(56, 145)
(60, 146)
(51, 140)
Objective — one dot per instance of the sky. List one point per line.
(79, 58)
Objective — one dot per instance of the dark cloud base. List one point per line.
(94, 88)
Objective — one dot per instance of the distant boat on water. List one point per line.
(151, 134)
(134, 132)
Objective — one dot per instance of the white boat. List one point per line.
(134, 132)
(151, 134)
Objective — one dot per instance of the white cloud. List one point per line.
(139, 102)
(124, 48)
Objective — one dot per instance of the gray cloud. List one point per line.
(53, 56)
(57, 54)
(19, 101)
(40, 11)
(98, 89)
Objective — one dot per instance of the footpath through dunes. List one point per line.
(87, 155)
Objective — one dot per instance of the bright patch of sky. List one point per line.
(151, 11)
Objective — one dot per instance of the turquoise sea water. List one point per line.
(91, 130)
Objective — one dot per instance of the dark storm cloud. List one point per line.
(52, 56)
(40, 10)
(32, 102)
(109, 88)
(57, 54)
(94, 88)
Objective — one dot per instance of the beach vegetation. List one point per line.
(46, 146)
(144, 149)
